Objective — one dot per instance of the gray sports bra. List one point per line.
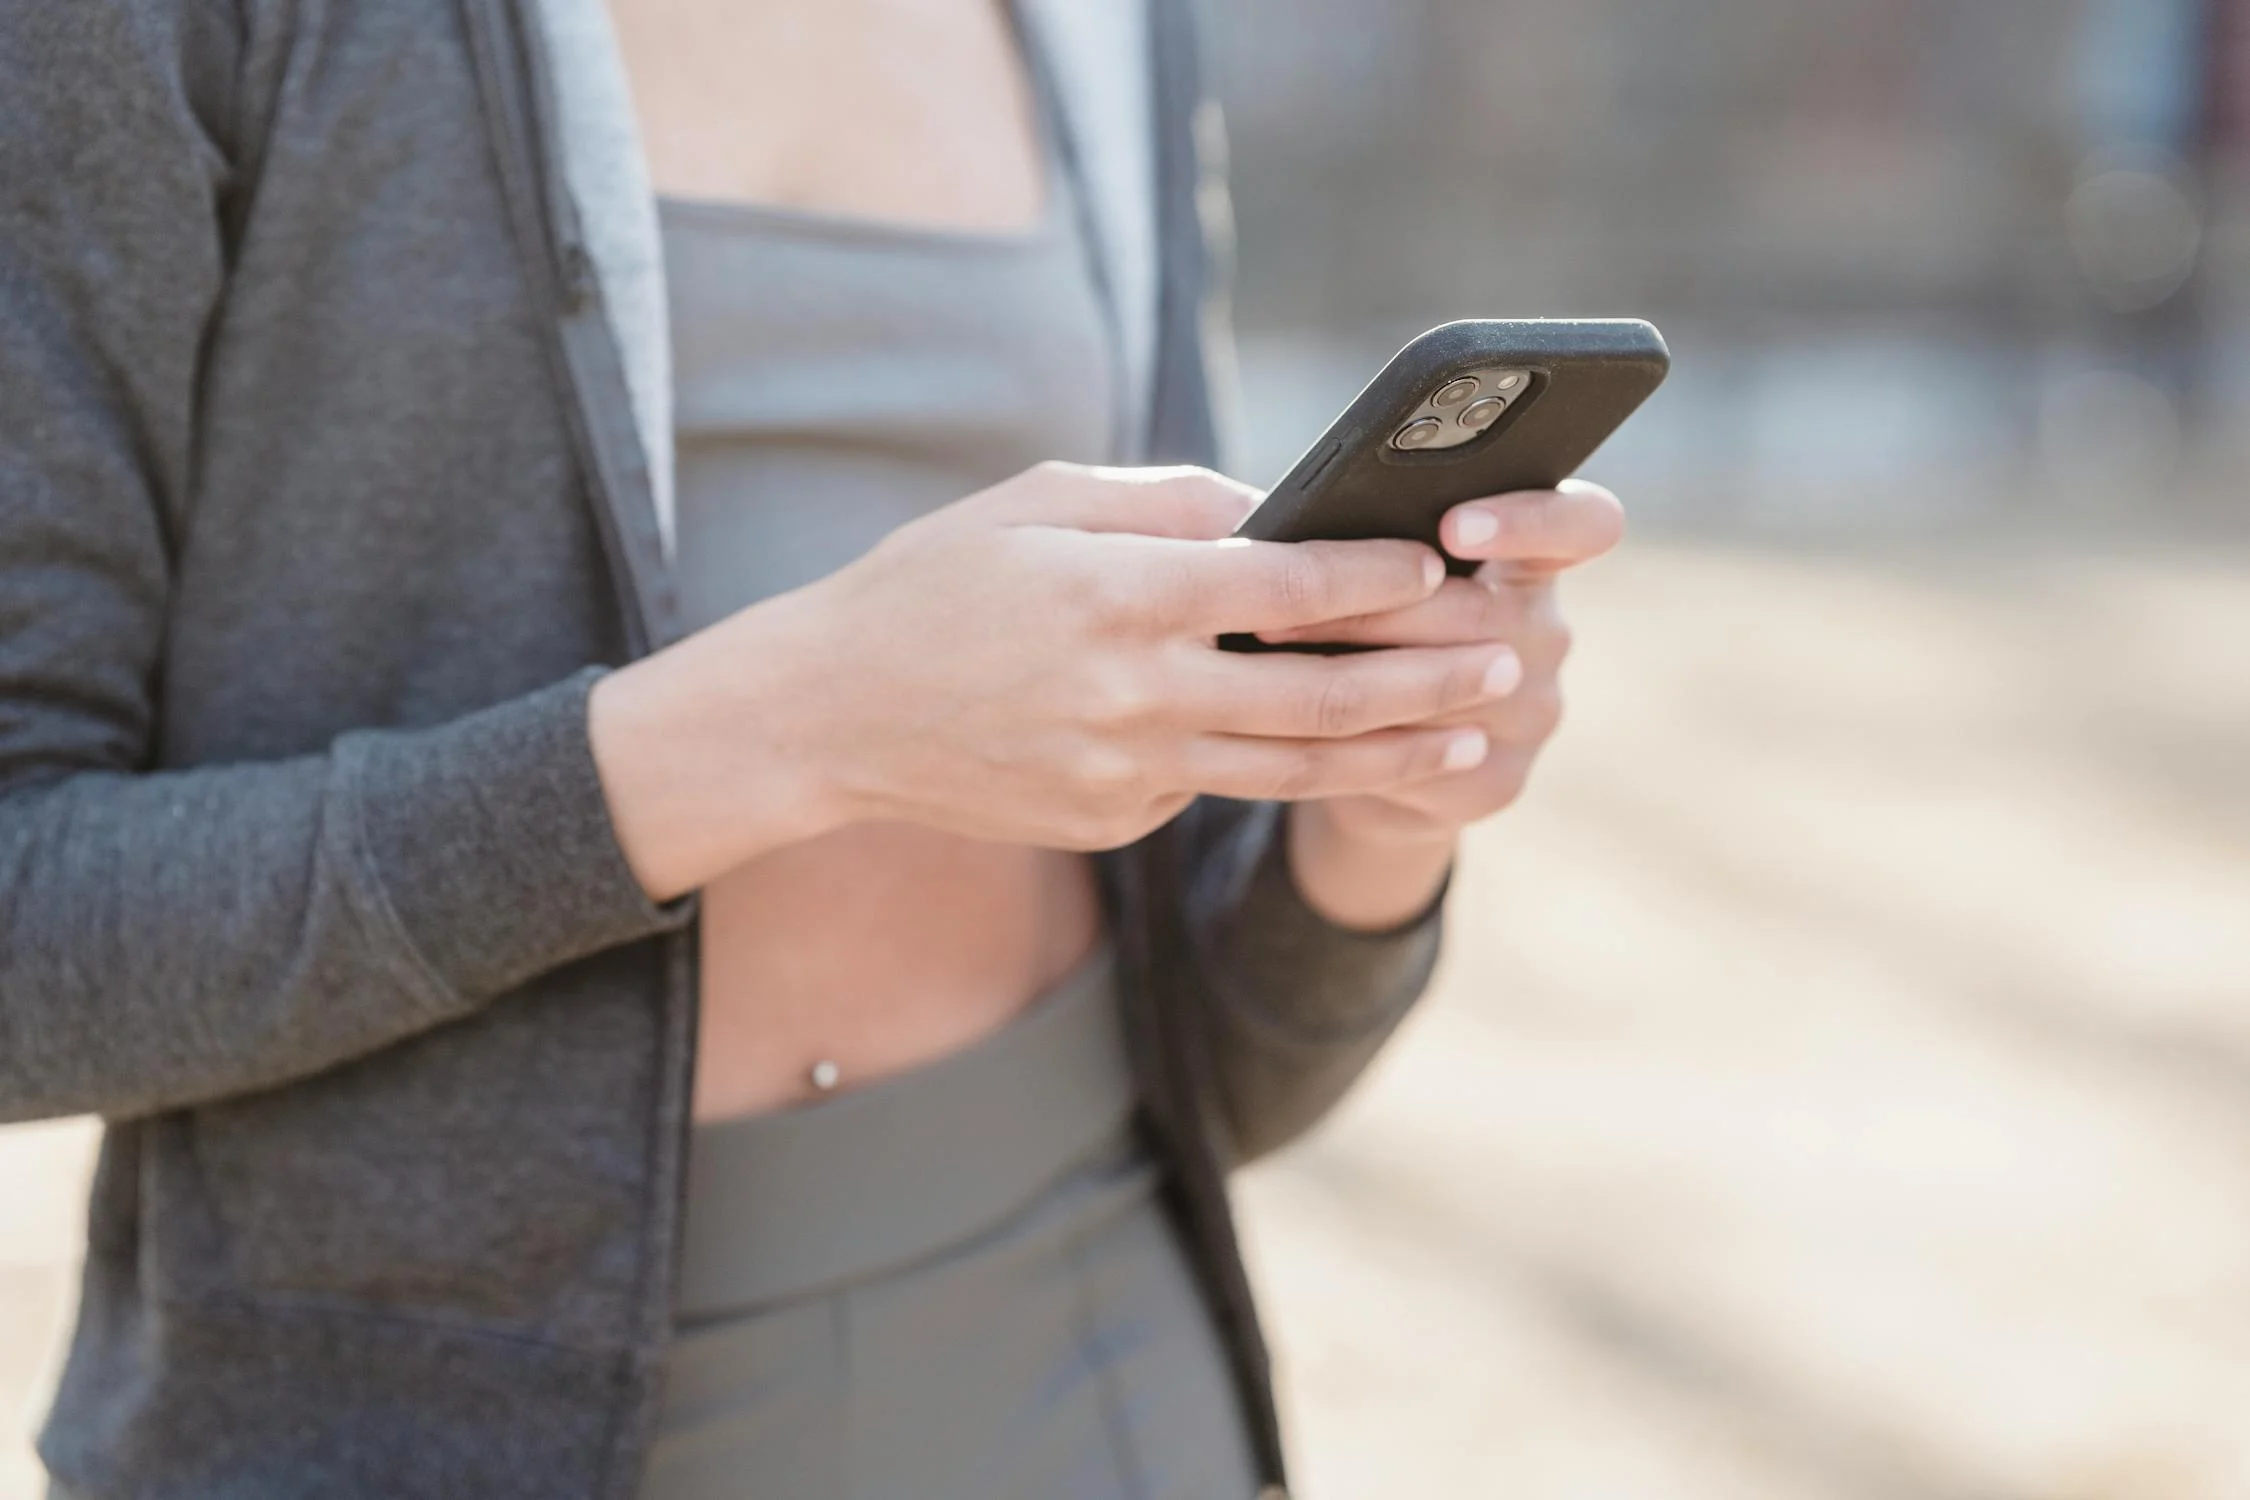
(834, 379)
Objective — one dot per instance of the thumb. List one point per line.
(1190, 505)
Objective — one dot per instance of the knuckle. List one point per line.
(1118, 696)
(1041, 487)
(1178, 591)
(1500, 611)
(1181, 476)
(1194, 483)
(1301, 583)
(1423, 760)
(1460, 683)
(1213, 504)
(1474, 608)
(1506, 782)
(1111, 601)
(1541, 712)
(1108, 777)
(1297, 776)
(1339, 705)
(1178, 485)
(1415, 757)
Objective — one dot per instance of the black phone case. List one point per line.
(1587, 377)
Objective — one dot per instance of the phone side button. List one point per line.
(1312, 475)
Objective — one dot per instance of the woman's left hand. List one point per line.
(1522, 543)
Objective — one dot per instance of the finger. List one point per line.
(1459, 798)
(1189, 504)
(1238, 585)
(1336, 697)
(1537, 627)
(1395, 815)
(1548, 529)
(1498, 604)
(1463, 610)
(1529, 717)
(1264, 770)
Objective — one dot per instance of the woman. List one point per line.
(401, 765)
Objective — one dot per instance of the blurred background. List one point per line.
(1923, 264)
(1839, 1086)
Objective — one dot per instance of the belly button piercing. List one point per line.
(826, 1075)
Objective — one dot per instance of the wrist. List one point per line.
(1361, 880)
(706, 757)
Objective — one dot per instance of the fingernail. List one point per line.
(1433, 570)
(1467, 750)
(1473, 527)
(1504, 675)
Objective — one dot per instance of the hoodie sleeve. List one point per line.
(169, 937)
(1296, 1007)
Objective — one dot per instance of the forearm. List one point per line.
(1361, 882)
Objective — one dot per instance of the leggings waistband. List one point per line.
(784, 1204)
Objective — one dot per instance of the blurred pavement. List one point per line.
(1839, 1088)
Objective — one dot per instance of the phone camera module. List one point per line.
(1483, 414)
(1419, 434)
(1456, 393)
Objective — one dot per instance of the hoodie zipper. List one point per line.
(514, 77)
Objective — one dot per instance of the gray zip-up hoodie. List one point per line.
(321, 507)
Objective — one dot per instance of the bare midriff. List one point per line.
(876, 950)
(854, 957)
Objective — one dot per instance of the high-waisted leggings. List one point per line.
(960, 1284)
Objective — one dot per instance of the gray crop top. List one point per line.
(1095, 52)
(833, 379)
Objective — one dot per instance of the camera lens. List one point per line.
(1418, 434)
(1456, 393)
(1482, 415)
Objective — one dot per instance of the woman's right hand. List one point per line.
(1035, 664)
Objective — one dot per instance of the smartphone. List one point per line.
(1480, 407)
